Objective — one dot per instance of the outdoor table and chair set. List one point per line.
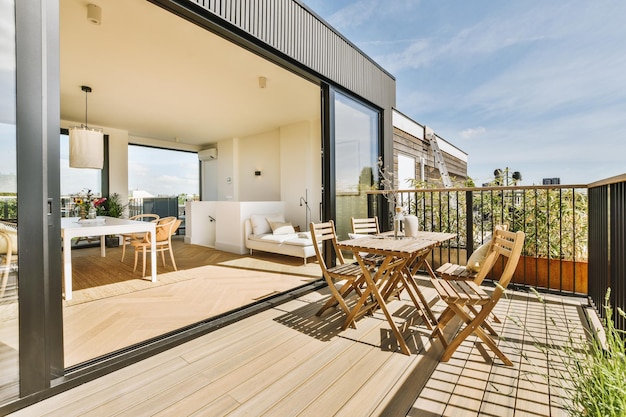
(386, 265)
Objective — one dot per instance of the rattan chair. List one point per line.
(126, 238)
(8, 252)
(165, 228)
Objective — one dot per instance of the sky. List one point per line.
(538, 87)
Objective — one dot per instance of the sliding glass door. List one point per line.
(357, 138)
(9, 344)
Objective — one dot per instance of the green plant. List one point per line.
(112, 206)
(598, 372)
(589, 366)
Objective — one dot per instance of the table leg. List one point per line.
(67, 267)
(411, 272)
(103, 251)
(388, 267)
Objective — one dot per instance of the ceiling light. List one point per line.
(86, 145)
(94, 14)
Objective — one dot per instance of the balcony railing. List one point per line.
(575, 235)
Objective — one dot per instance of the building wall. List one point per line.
(408, 139)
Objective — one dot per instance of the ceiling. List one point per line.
(159, 76)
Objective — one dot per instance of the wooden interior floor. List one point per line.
(287, 362)
(132, 309)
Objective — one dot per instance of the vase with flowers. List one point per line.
(86, 205)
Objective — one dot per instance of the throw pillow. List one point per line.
(476, 260)
(282, 228)
(259, 223)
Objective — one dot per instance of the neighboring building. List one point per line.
(414, 157)
(269, 84)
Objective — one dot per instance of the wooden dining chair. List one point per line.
(165, 228)
(365, 226)
(471, 303)
(127, 237)
(349, 272)
(478, 265)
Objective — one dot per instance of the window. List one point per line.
(157, 172)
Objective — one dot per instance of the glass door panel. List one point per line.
(9, 345)
(356, 155)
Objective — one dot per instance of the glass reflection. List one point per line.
(356, 150)
(9, 365)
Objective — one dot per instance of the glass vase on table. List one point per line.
(397, 220)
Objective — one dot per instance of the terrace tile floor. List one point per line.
(285, 361)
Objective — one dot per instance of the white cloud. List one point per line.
(472, 132)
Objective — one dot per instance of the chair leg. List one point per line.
(144, 261)
(332, 301)
(472, 326)
(172, 256)
(136, 253)
(123, 247)
(5, 275)
(162, 256)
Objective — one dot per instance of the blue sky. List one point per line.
(536, 86)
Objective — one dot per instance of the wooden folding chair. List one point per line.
(365, 226)
(473, 305)
(478, 266)
(351, 273)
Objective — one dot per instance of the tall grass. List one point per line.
(598, 372)
(589, 367)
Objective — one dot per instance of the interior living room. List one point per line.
(185, 89)
(255, 88)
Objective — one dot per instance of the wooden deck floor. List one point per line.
(286, 362)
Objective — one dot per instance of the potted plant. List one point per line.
(112, 207)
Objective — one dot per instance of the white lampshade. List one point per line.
(86, 148)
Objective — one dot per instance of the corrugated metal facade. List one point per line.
(291, 28)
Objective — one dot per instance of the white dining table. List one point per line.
(103, 225)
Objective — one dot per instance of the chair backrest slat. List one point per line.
(365, 226)
(510, 245)
(321, 232)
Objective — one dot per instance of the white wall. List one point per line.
(225, 179)
(260, 152)
(300, 166)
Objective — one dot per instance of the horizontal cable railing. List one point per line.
(554, 219)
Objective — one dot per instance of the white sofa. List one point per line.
(283, 240)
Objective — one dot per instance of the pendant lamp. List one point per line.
(86, 145)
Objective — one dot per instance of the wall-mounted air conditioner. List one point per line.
(207, 154)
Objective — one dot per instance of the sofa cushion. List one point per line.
(282, 228)
(294, 239)
(300, 239)
(260, 222)
(270, 238)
